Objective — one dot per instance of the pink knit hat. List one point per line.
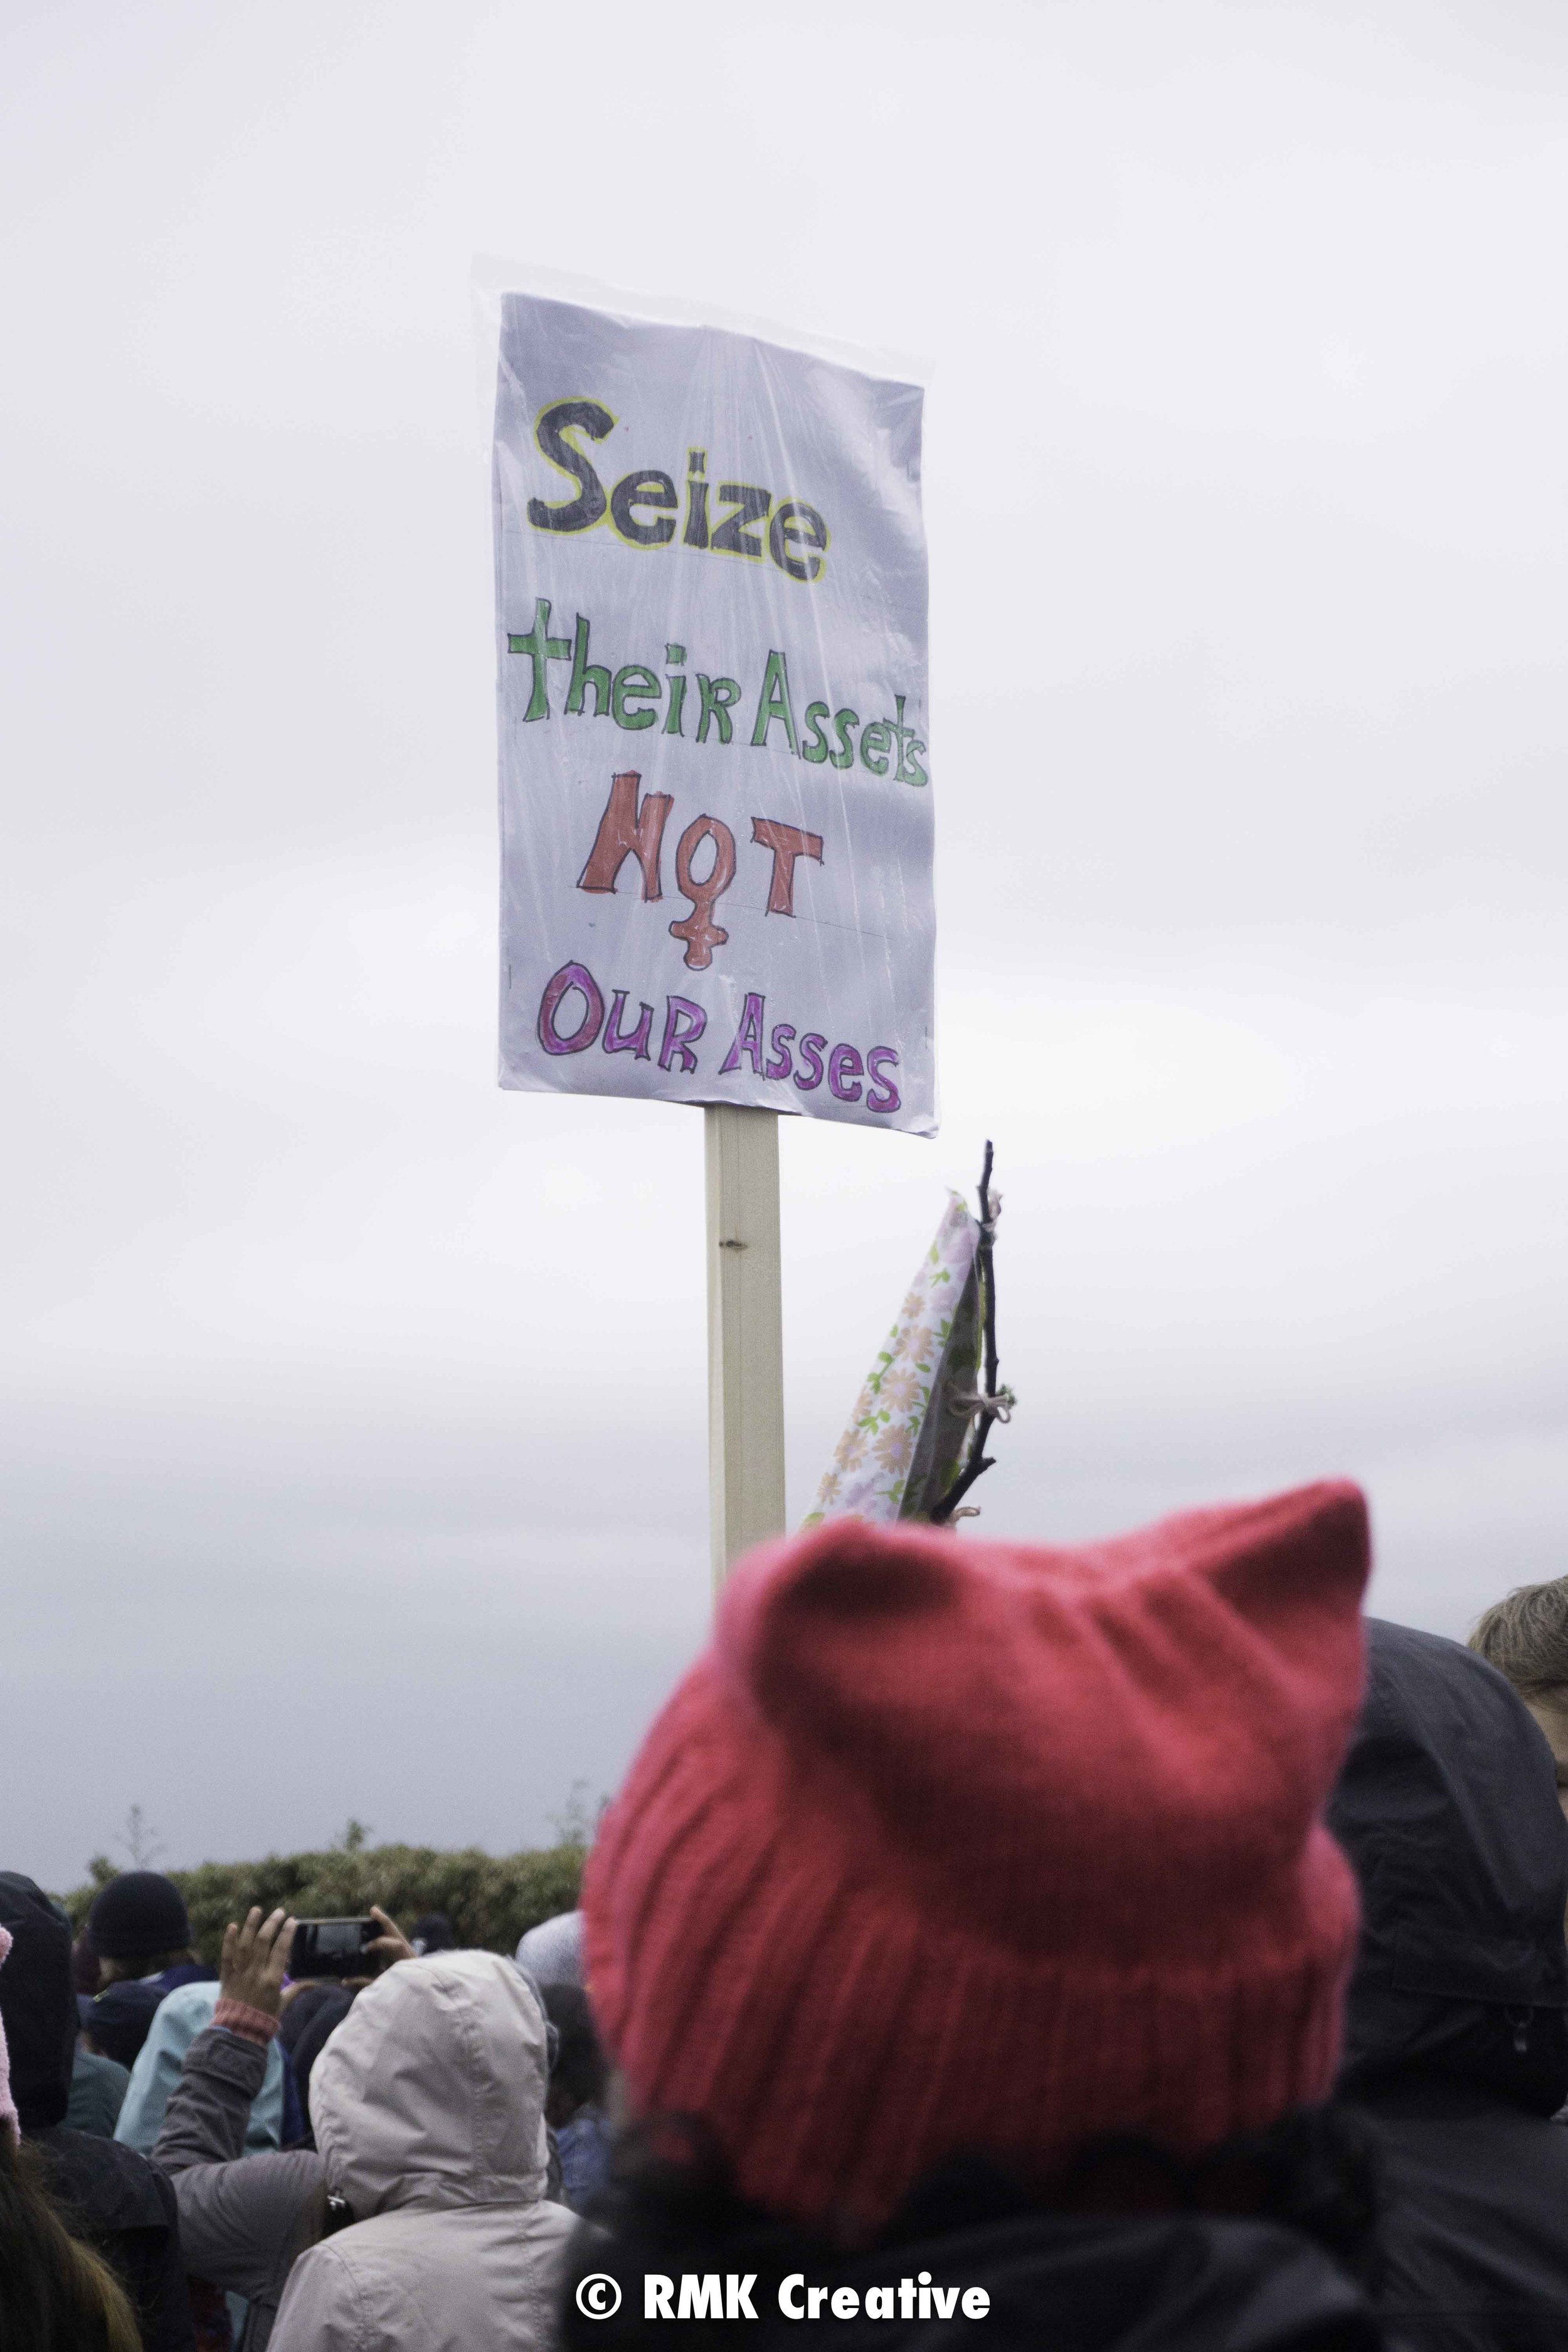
(950, 1846)
(8, 2115)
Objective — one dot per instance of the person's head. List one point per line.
(579, 2076)
(433, 1932)
(57, 2296)
(117, 2021)
(37, 2006)
(1448, 1806)
(553, 1952)
(138, 1926)
(1525, 1637)
(954, 1848)
(430, 2093)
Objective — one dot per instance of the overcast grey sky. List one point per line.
(353, 1418)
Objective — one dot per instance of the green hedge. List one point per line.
(491, 1899)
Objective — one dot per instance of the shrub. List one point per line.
(491, 1899)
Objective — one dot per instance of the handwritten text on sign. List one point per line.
(714, 770)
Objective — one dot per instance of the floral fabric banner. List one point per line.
(906, 1441)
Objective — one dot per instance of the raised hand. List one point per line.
(255, 1958)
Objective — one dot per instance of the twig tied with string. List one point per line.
(995, 1402)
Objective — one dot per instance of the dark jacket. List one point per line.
(96, 2092)
(117, 2202)
(1053, 2282)
(1456, 2034)
(110, 2197)
(311, 2034)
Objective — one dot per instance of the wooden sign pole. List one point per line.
(745, 1332)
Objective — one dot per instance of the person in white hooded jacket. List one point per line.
(420, 2223)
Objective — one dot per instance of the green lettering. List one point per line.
(814, 747)
(843, 722)
(902, 735)
(774, 703)
(719, 697)
(875, 745)
(586, 674)
(632, 680)
(544, 650)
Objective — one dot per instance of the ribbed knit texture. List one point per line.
(250, 2024)
(949, 1846)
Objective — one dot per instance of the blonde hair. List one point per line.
(56, 2295)
(1525, 1637)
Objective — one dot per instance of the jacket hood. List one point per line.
(430, 2095)
(1448, 1806)
(37, 2001)
(180, 2016)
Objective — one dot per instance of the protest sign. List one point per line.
(715, 771)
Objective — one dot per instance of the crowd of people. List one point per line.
(1124, 1946)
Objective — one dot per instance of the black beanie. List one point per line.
(37, 2004)
(119, 2019)
(138, 1915)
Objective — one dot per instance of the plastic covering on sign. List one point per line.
(715, 763)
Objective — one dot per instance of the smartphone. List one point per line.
(332, 1947)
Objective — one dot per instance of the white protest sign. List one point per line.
(715, 780)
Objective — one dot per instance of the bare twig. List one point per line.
(997, 1402)
(139, 1839)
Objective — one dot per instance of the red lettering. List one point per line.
(699, 929)
(628, 831)
(787, 843)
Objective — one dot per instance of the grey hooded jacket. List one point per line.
(429, 2110)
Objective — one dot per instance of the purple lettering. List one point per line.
(811, 1055)
(890, 1098)
(683, 1024)
(782, 1062)
(560, 984)
(748, 1038)
(628, 1041)
(844, 1064)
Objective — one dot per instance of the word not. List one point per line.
(631, 696)
(628, 829)
(710, 2295)
(685, 1024)
(643, 505)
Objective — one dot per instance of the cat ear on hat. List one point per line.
(1294, 1569)
(836, 1608)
